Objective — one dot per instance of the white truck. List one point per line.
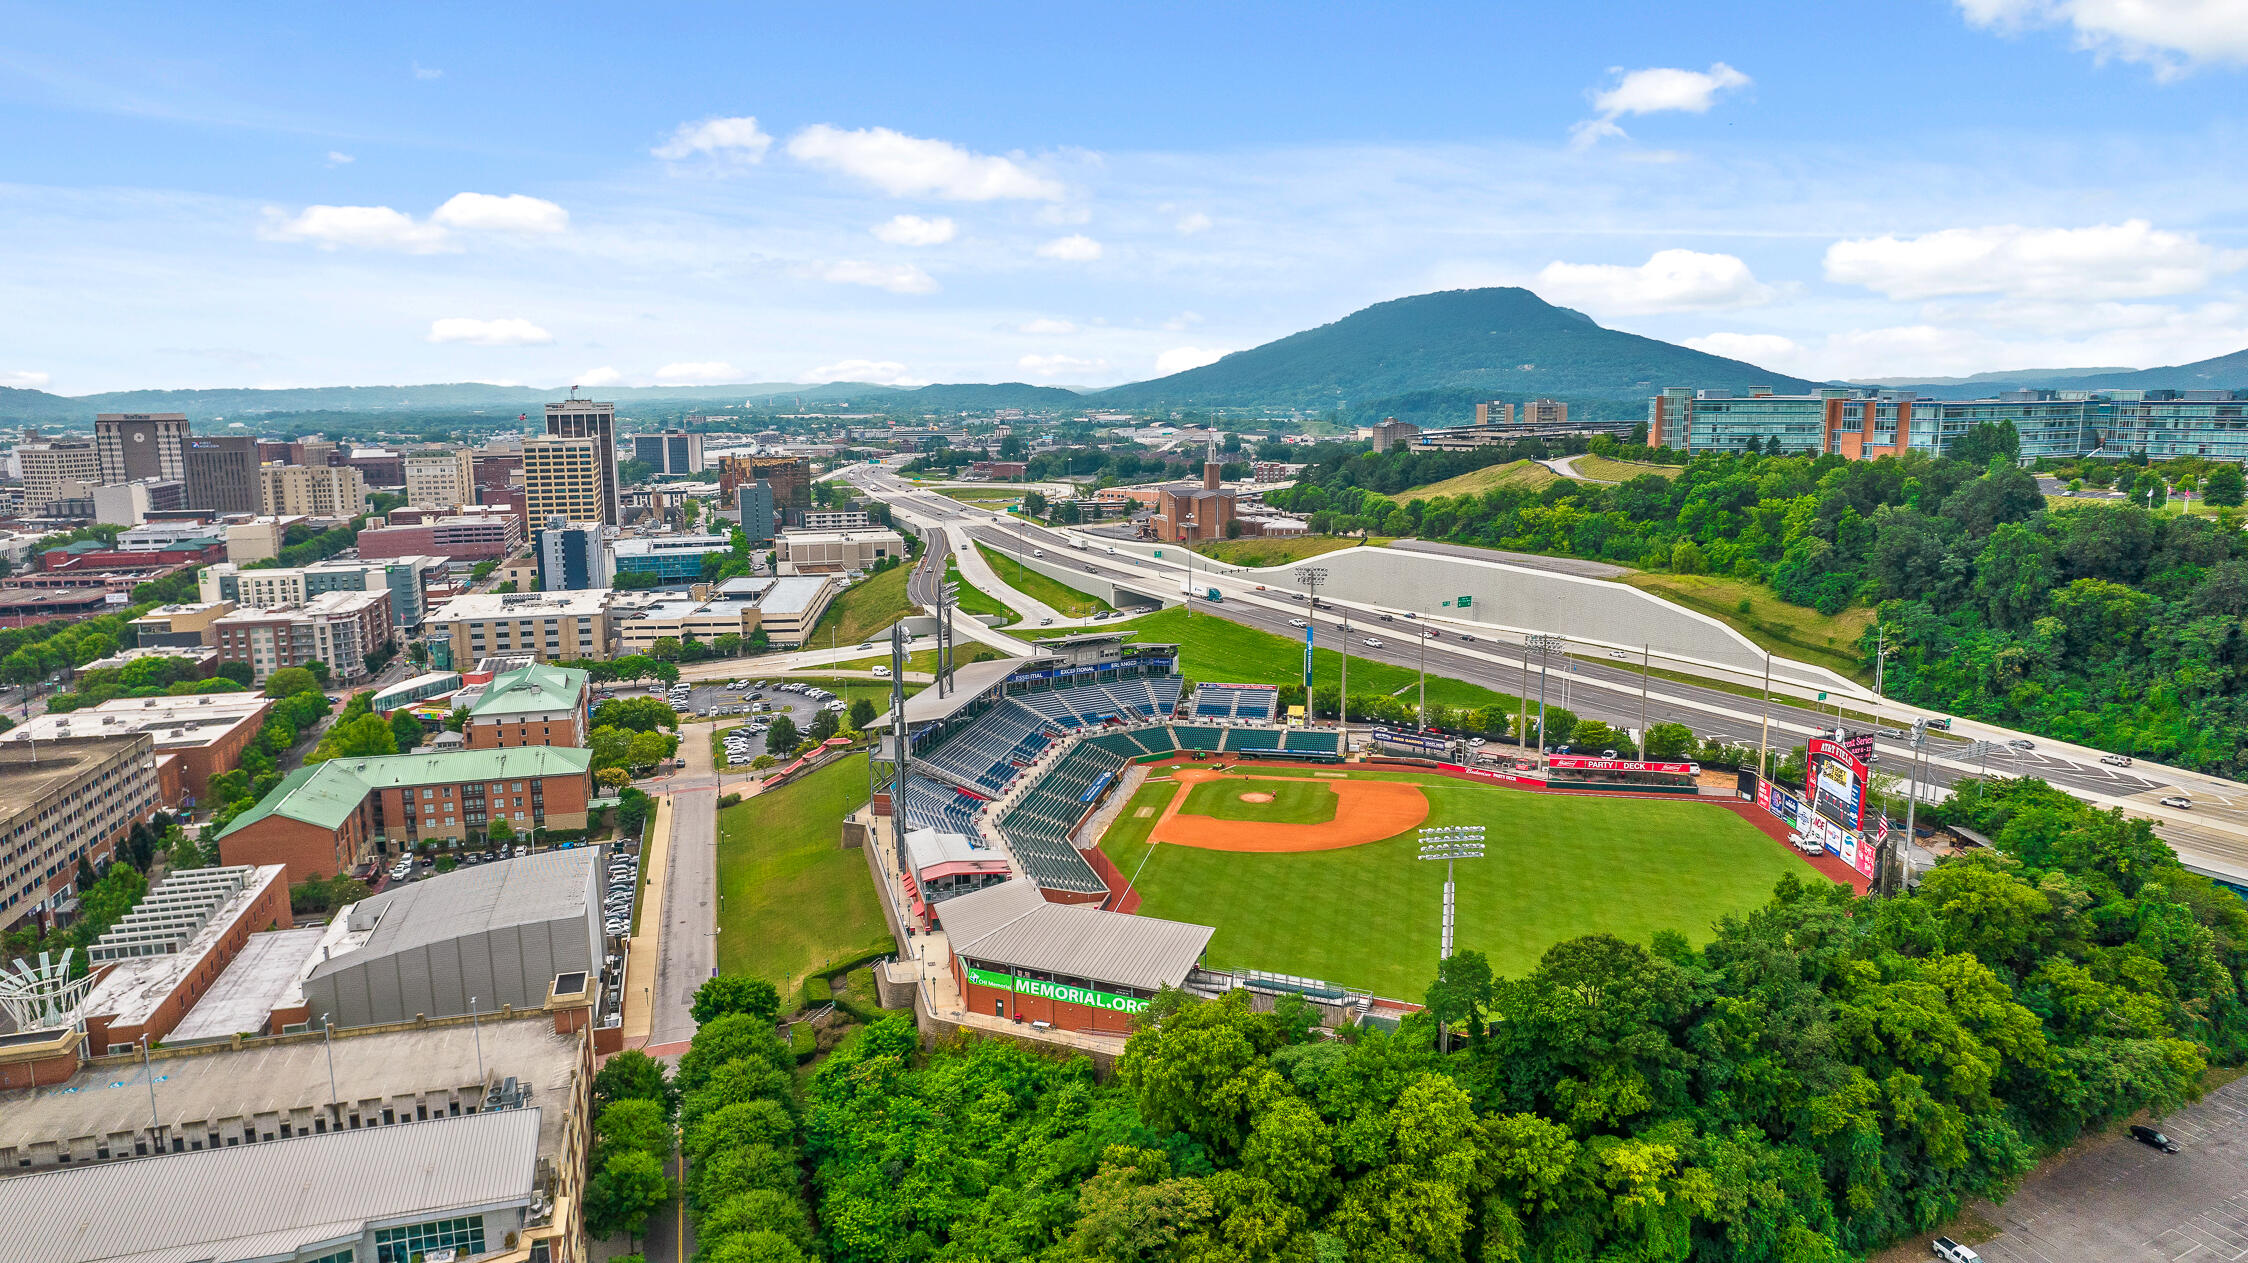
(1078, 541)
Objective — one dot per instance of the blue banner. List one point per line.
(1307, 666)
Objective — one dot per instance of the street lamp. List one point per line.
(1450, 843)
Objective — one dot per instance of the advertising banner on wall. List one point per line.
(1838, 784)
(1415, 742)
(1055, 991)
(1782, 804)
(1620, 765)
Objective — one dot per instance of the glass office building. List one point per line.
(1861, 423)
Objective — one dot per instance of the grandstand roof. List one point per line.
(1011, 923)
(968, 683)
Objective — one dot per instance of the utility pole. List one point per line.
(1423, 668)
(1880, 660)
(1646, 653)
(1764, 742)
(1450, 844)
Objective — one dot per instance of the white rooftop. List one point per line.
(793, 594)
(132, 991)
(268, 975)
(174, 722)
(520, 605)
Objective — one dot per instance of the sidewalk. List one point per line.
(644, 949)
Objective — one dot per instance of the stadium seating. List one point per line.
(1242, 740)
(1322, 742)
(1239, 703)
(1038, 826)
(1196, 738)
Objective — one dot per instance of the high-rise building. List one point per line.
(222, 475)
(331, 491)
(789, 476)
(1393, 433)
(62, 801)
(573, 556)
(585, 419)
(442, 478)
(1538, 412)
(562, 478)
(136, 445)
(1495, 412)
(755, 502)
(49, 466)
(671, 452)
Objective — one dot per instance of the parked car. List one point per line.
(2116, 760)
(2153, 1139)
(2179, 801)
(1951, 1251)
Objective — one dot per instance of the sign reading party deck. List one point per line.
(1056, 991)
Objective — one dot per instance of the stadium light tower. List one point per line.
(1544, 643)
(1451, 844)
(1311, 577)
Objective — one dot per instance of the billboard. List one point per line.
(1780, 803)
(1593, 764)
(1838, 784)
(1860, 746)
(1406, 739)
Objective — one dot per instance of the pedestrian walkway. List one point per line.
(642, 951)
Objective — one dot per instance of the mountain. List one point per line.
(2223, 372)
(2011, 379)
(1468, 343)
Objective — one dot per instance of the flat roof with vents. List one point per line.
(174, 722)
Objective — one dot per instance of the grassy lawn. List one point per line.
(1293, 801)
(1281, 550)
(865, 609)
(1214, 650)
(926, 660)
(983, 495)
(1519, 473)
(1603, 469)
(1791, 631)
(796, 903)
(1068, 600)
(974, 600)
(1559, 866)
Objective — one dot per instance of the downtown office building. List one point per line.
(1862, 424)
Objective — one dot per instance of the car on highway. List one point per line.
(1045, 622)
(1372, 643)
(1618, 653)
(2116, 760)
(1430, 634)
(867, 645)
(1951, 1251)
(1386, 618)
(1299, 622)
(2179, 801)
(2019, 744)
(1467, 638)
(2153, 1139)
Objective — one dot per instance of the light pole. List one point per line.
(1450, 843)
(1311, 577)
(1646, 653)
(1423, 669)
(155, 1121)
(1544, 643)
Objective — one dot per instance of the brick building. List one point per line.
(1191, 515)
(479, 537)
(1016, 956)
(536, 705)
(329, 817)
(60, 802)
(338, 628)
(163, 956)
(203, 734)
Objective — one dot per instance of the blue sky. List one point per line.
(221, 195)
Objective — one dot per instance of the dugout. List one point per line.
(1076, 968)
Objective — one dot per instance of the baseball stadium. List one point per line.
(1084, 830)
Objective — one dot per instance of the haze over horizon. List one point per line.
(702, 196)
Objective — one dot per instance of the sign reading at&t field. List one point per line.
(1056, 991)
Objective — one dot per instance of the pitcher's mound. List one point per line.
(1256, 798)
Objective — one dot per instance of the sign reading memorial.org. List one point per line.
(1056, 991)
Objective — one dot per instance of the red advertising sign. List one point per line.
(1590, 764)
(1488, 774)
(1840, 753)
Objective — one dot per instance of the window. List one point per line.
(400, 1245)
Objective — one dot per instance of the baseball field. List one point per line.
(1278, 859)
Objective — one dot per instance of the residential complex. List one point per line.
(402, 579)
(1863, 423)
(537, 705)
(55, 469)
(337, 628)
(62, 801)
(328, 817)
(441, 479)
(584, 419)
(572, 556)
(548, 626)
(329, 492)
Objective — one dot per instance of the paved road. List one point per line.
(2118, 1201)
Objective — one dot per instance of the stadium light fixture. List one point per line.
(1451, 844)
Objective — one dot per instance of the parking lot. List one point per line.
(700, 697)
(800, 701)
(2118, 1201)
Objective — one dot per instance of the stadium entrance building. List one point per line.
(1019, 957)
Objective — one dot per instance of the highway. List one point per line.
(2213, 839)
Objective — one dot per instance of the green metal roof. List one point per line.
(536, 689)
(325, 794)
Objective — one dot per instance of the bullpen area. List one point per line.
(1315, 872)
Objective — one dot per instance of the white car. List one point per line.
(1372, 643)
(882, 673)
(1618, 653)
(1298, 622)
(2179, 801)
(2116, 760)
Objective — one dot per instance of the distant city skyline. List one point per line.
(234, 197)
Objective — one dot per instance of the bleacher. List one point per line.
(1309, 740)
(1090, 705)
(990, 754)
(932, 804)
(1191, 737)
(1259, 739)
(1038, 826)
(1235, 703)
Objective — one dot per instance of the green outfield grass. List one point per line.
(1293, 801)
(796, 903)
(1558, 866)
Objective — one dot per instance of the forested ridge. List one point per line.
(1829, 1074)
(2110, 624)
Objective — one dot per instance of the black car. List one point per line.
(2153, 1139)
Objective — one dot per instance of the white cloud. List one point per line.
(1058, 365)
(603, 376)
(369, 227)
(490, 212)
(1183, 321)
(1193, 223)
(733, 139)
(427, 72)
(1756, 348)
(2132, 259)
(913, 230)
(1047, 326)
(338, 158)
(23, 379)
(1074, 248)
(506, 331)
(876, 372)
(1657, 90)
(2172, 36)
(1181, 358)
(908, 166)
(898, 278)
(697, 373)
(1670, 280)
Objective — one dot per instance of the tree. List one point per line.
(782, 737)
(621, 1196)
(613, 778)
(319, 671)
(240, 673)
(632, 1075)
(635, 1124)
(824, 725)
(732, 993)
(405, 729)
(499, 832)
(2149, 491)
(640, 714)
(1595, 736)
(2224, 488)
(862, 712)
(1034, 503)
(1987, 441)
(285, 682)
(1668, 742)
(360, 737)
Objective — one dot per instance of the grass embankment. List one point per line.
(926, 660)
(1846, 715)
(1214, 650)
(1517, 473)
(1791, 631)
(1066, 600)
(974, 600)
(1606, 469)
(795, 903)
(982, 495)
(2173, 507)
(866, 608)
(1559, 866)
(1281, 550)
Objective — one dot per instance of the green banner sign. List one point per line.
(1056, 991)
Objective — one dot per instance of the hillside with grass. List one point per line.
(1528, 475)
